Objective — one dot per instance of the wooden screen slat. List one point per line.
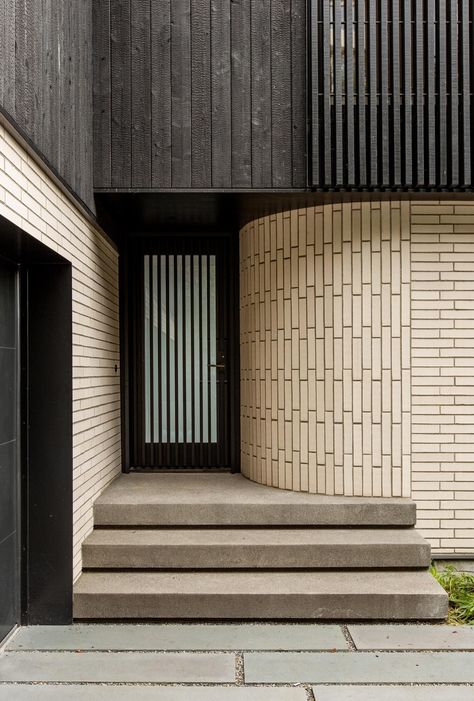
(181, 93)
(408, 91)
(349, 70)
(221, 107)
(281, 90)
(241, 95)
(201, 161)
(466, 52)
(443, 98)
(161, 93)
(299, 100)
(338, 89)
(395, 72)
(431, 91)
(51, 97)
(454, 90)
(261, 95)
(141, 93)
(315, 92)
(102, 105)
(384, 97)
(420, 93)
(373, 90)
(121, 117)
(362, 92)
(327, 73)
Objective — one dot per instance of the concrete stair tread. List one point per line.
(239, 548)
(329, 594)
(257, 583)
(230, 499)
(209, 537)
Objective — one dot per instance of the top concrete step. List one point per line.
(223, 499)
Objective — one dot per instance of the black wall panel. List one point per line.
(9, 464)
(46, 82)
(200, 94)
(392, 93)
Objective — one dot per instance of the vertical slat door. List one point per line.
(180, 300)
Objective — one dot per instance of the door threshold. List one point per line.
(174, 470)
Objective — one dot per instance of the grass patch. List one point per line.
(460, 589)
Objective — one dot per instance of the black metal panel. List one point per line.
(392, 81)
(182, 324)
(45, 418)
(47, 443)
(9, 440)
(226, 105)
(46, 82)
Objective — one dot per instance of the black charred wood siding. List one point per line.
(200, 94)
(46, 82)
(392, 94)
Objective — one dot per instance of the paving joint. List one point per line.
(349, 638)
(239, 669)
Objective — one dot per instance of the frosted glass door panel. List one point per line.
(180, 349)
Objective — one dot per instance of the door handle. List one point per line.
(218, 365)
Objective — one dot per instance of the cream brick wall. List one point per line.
(31, 200)
(442, 311)
(325, 349)
(357, 336)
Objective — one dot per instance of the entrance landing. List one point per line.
(207, 499)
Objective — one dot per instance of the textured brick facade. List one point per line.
(357, 337)
(31, 200)
(442, 312)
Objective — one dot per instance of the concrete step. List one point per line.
(255, 548)
(383, 595)
(174, 499)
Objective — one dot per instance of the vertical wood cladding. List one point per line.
(46, 81)
(325, 349)
(200, 94)
(392, 93)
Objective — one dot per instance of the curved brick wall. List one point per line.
(325, 349)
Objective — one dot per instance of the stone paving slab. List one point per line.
(144, 667)
(412, 637)
(392, 693)
(89, 692)
(360, 667)
(180, 637)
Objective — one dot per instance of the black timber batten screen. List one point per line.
(392, 94)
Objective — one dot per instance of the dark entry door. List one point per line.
(9, 488)
(183, 331)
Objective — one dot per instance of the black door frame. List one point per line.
(45, 398)
(129, 247)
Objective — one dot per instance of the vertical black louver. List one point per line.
(392, 93)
